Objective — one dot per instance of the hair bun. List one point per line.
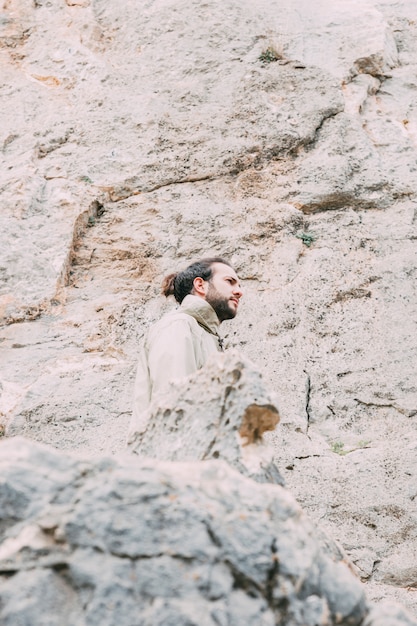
(167, 286)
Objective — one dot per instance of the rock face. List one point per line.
(220, 412)
(139, 542)
(136, 137)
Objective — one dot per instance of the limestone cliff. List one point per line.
(138, 136)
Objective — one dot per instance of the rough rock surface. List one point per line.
(220, 412)
(138, 136)
(139, 542)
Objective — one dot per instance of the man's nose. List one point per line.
(238, 292)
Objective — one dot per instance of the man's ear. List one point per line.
(200, 287)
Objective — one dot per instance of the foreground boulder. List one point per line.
(137, 542)
(220, 412)
(123, 542)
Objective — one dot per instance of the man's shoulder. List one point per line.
(173, 318)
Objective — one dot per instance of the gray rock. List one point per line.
(142, 542)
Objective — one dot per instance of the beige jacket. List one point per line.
(175, 347)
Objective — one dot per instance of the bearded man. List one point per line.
(208, 292)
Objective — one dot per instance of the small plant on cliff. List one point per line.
(306, 238)
(270, 55)
(338, 447)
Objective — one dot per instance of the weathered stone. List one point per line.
(388, 614)
(162, 543)
(343, 39)
(220, 412)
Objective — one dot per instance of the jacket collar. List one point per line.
(202, 312)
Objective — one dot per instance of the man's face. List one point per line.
(224, 291)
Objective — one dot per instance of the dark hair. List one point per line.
(180, 284)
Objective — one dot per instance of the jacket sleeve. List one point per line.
(171, 355)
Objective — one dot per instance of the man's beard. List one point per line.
(220, 304)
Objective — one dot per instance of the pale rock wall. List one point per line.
(138, 136)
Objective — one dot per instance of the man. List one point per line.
(208, 292)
